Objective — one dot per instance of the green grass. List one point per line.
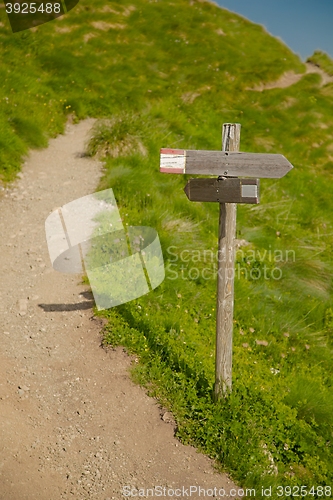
(168, 75)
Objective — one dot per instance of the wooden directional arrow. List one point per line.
(223, 190)
(223, 163)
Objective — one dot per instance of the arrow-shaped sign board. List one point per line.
(223, 190)
(224, 163)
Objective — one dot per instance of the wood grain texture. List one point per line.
(225, 280)
(222, 190)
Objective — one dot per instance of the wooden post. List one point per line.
(225, 278)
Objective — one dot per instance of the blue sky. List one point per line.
(304, 25)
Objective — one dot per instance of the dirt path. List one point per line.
(290, 78)
(72, 424)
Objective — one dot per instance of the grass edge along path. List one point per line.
(261, 430)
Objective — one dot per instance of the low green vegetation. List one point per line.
(159, 74)
(323, 61)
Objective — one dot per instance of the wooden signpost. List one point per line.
(223, 190)
(227, 190)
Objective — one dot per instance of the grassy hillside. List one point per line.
(168, 74)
